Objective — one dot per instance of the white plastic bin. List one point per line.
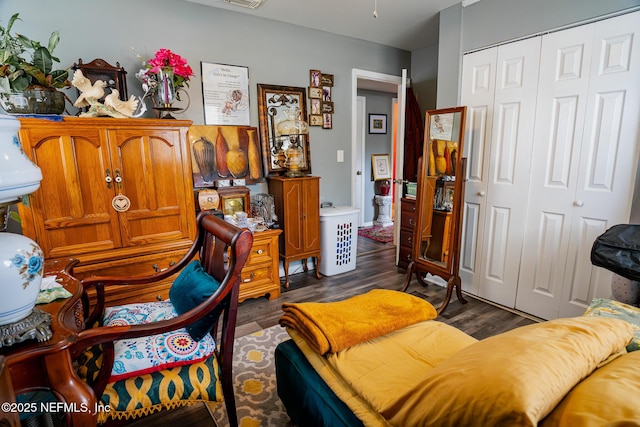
(338, 239)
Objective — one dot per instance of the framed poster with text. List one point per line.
(225, 91)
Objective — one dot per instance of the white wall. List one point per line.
(275, 53)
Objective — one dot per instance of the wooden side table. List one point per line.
(49, 364)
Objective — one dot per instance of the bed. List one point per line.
(576, 371)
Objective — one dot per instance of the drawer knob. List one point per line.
(248, 279)
(410, 239)
(259, 251)
(411, 221)
(159, 297)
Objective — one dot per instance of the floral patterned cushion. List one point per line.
(134, 357)
(609, 308)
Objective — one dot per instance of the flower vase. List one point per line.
(165, 93)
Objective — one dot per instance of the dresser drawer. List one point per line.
(406, 238)
(261, 252)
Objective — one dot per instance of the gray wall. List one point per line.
(275, 53)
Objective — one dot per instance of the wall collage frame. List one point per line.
(320, 99)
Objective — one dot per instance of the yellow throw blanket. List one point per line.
(333, 326)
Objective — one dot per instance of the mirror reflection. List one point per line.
(443, 144)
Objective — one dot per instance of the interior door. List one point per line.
(399, 157)
(358, 158)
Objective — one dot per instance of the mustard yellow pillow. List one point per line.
(609, 396)
(512, 379)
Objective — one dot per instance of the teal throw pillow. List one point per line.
(190, 289)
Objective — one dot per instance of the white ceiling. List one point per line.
(403, 24)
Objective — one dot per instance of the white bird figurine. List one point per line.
(89, 92)
(125, 107)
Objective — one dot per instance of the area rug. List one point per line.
(254, 373)
(377, 233)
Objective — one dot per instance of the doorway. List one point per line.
(384, 83)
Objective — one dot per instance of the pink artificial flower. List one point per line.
(166, 58)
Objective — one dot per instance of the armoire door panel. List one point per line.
(311, 215)
(75, 218)
(294, 240)
(154, 159)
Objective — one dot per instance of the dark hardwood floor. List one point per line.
(375, 268)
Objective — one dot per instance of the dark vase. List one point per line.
(33, 101)
(385, 186)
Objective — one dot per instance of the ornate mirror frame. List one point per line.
(273, 102)
(439, 201)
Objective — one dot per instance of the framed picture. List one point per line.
(315, 92)
(275, 103)
(225, 91)
(327, 107)
(315, 120)
(326, 93)
(316, 106)
(380, 167)
(315, 77)
(235, 199)
(326, 79)
(222, 153)
(327, 121)
(377, 123)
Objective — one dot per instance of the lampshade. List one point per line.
(293, 124)
(21, 259)
(18, 174)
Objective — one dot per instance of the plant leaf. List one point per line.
(53, 41)
(42, 60)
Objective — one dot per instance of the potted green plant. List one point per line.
(30, 86)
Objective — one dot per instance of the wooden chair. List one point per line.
(222, 250)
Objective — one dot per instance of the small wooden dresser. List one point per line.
(261, 274)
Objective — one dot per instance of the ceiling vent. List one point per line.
(251, 4)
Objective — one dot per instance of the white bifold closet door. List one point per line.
(561, 168)
(499, 90)
(583, 164)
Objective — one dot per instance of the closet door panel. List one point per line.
(563, 86)
(478, 94)
(509, 167)
(609, 158)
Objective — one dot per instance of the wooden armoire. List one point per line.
(297, 203)
(116, 194)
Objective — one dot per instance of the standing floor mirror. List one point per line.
(436, 236)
